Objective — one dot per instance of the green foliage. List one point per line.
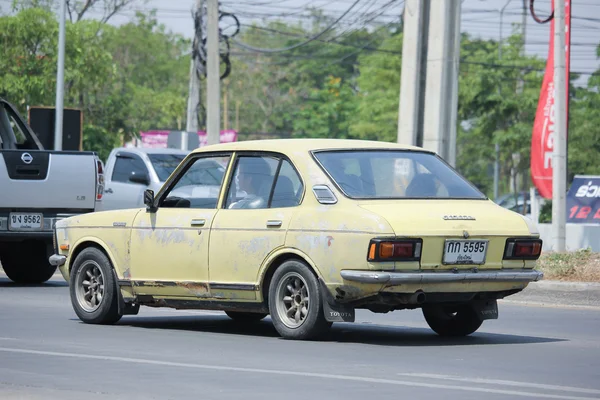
(546, 213)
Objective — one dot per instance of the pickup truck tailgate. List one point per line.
(47, 179)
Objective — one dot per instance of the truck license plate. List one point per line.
(25, 222)
(465, 251)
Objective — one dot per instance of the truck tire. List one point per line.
(27, 262)
(93, 290)
(452, 321)
(240, 316)
(296, 302)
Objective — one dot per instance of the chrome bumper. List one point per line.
(57, 260)
(398, 278)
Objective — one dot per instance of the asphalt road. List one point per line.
(530, 352)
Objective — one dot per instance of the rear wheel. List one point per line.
(26, 262)
(296, 302)
(93, 289)
(245, 316)
(452, 320)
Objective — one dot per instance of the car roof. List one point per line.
(290, 145)
(150, 150)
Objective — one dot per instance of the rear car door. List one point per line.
(244, 234)
(129, 179)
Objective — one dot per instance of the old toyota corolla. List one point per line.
(307, 231)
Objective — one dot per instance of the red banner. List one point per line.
(542, 140)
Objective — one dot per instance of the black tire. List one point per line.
(27, 262)
(106, 310)
(239, 316)
(452, 321)
(314, 323)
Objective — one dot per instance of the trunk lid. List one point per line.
(436, 221)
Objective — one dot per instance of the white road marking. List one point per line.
(503, 382)
(299, 374)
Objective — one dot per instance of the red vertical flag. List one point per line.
(542, 140)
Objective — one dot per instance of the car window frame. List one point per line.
(262, 153)
(128, 155)
(372, 149)
(184, 166)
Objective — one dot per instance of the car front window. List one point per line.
(375, 174)
(165, 164)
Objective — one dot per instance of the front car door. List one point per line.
(260, 202)
(169, 247)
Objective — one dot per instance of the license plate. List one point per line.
(465, 251)
(25, 222)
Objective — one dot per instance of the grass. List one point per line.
(580, 265)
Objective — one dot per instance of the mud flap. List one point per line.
(123, 307)
(485, 309)
(334, 311)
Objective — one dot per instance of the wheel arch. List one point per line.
(87, 242)
(274, 261)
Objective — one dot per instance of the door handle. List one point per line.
(198, 222)
(273, 223)
(109, 190)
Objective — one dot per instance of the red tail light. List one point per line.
(523, 249)
(100, 179)
(394, 250)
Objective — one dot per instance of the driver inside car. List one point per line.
(254, 178)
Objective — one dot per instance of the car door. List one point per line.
(127, 183)
(244, 234)
(169, 246)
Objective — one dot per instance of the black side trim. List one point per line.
(233, 286)
(150, 301)
(124, 282)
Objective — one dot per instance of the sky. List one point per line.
(479, 18)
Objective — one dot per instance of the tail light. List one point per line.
(523, 249)
(100, 179)
(395, 250)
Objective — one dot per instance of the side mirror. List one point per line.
(149, 200)
(144, 179)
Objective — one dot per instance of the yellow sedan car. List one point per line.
(306, 231)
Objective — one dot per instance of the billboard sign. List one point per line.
(583, 200)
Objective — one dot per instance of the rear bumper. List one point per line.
(399, 278)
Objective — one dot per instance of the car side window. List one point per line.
(253, 180)
(288, 187)
(199, 186)
(126, 166)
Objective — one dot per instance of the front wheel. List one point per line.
(296, 302)
(452, 320)
(93, 288)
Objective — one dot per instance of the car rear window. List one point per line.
(395, 174)
(165, 164)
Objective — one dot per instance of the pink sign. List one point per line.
(159, 139)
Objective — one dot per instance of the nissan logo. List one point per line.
(26, 158)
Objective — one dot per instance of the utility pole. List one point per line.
(213, 98)
(559, 159)
(413, 72)
(497, 146)
(191, 125)
(60, 78)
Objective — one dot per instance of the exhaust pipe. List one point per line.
(414, 298)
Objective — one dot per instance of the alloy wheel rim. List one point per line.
(90, 286)
(293, 300)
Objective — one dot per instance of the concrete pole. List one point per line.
(60, 78)
(213, 99)
(194, 86)
(559, 159)
(497, 146)
(412, 85)
(442, 73)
